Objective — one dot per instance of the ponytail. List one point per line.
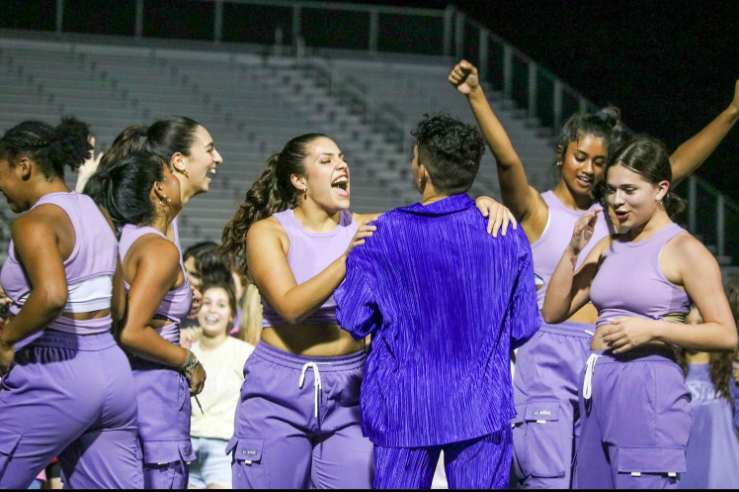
(272, 193)
(124, 189)
(51, 149)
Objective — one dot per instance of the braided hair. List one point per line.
(52, 149)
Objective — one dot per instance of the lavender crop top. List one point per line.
(177, 304)
(91, 264)
(630, 282)
(310, 254)
(550, 247)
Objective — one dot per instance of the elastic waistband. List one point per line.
(568, 329)
(327, 364)
(86, 343)
(641, 354)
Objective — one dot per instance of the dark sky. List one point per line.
(671, 66)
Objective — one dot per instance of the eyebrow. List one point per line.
(210, 145)
(341, 155)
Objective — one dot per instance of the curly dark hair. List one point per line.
(451, 151)
(51, 149)
(273, 192)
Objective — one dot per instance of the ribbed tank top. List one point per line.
(630, 282)
(550, 247)
(177, 303)
(94, 255)
(310, 254)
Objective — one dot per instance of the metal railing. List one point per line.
(297, 27)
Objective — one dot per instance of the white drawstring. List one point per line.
(317, 383)
(587, 391)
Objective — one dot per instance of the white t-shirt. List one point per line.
(225, 369)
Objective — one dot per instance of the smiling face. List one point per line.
(202, 162)
(633, 198)
(215, 316)
(584, 164)
(327, 176)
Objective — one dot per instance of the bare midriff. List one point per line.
(312, 340)
(87, 316)
(587, 315)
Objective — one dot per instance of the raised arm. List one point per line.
(267, 262)
(692, 154)
(569, 289)
(523, 200)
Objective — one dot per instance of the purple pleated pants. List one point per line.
(164, 425)
(636, 426)
(70, 397)
(289, 438)
(480, 464)
(546, 392)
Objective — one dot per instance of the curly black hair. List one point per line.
(50, 148)
(451, 151)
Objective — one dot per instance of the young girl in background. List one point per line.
(225, 357)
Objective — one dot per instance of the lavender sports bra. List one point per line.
(92, 262)
(548, 250)
(309, 255)
(177, 303)
(630, 282)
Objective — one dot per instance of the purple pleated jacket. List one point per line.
(445, 304)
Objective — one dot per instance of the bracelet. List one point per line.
(189, 367)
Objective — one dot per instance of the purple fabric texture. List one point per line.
(70, 397)
(636, 427)
(310, 254)
(548, 249)
(176, 305)
(94, 255)
(164, 423)
(481, 464)
(713, 450)
(546, 390)
(445, 304)
(280, 443)
(652, 296)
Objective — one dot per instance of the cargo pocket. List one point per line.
(8, 444)
(520, 449)
(247, 456)
(547, 451)
(161, 453)
(649, 467)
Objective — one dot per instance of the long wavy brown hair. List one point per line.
(722, 364)
(273, 192)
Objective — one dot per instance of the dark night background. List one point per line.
(671, 66)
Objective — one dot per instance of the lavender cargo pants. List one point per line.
(164, 425)
(636, 425)
(288, 437)
(546, 393)
(70, 397)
